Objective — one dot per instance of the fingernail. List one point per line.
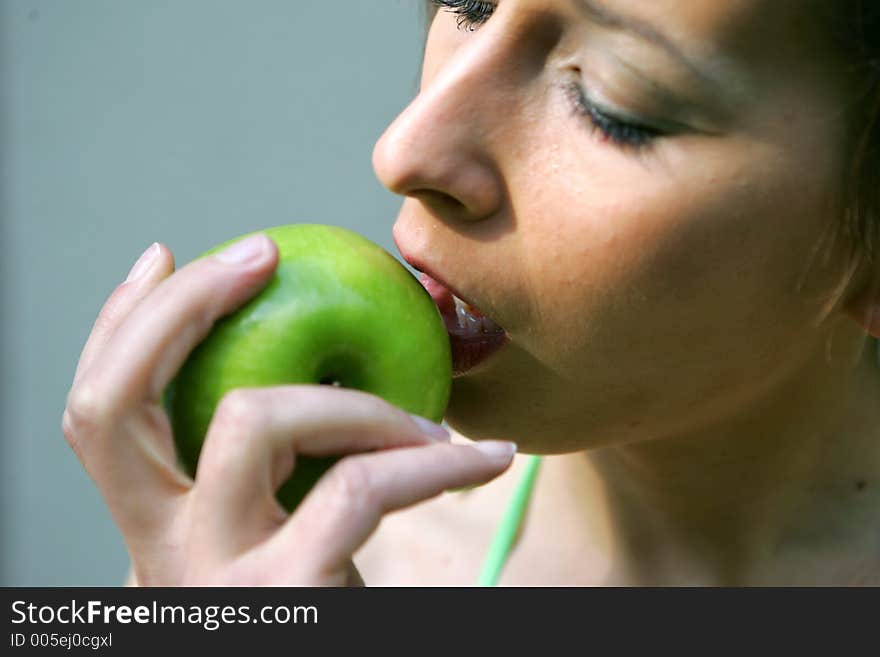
(431, 429)
(246, 250)
(143, 264)
(501, 449)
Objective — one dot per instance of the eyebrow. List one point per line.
(606, 17)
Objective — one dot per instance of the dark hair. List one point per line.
(854, 27)
(856, 30)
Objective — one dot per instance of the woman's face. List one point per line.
(633, 189)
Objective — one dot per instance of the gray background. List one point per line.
(182, 121)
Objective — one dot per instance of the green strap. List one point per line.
(507, 529)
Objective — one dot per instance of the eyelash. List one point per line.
(471, 13)
(624, 134)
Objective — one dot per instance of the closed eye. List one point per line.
(622, 132)
(471, 13)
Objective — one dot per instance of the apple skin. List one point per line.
(339, 309)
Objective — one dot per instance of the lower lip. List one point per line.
(470, 345)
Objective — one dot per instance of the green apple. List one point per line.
(339, 310)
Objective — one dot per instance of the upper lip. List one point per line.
(422, 267)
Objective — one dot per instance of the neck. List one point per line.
(785, 491)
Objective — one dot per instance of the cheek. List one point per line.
(673, 267)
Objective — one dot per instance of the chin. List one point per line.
(541, 414)
(484, 408)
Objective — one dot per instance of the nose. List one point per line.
(447, 148)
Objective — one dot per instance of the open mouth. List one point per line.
(472, 336)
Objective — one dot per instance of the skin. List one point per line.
(689, 338)
(687, 327)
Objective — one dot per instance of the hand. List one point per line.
(226, 527)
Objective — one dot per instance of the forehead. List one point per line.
(746, 29)
(771, 42)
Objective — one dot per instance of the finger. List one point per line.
(154, 265)
(79, 419)
(125, 443)
(353, 576)
(253, 439)
(150, 346)
(338, 516)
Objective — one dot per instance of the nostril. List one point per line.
(438, 199)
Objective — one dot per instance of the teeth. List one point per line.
(470, 322)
